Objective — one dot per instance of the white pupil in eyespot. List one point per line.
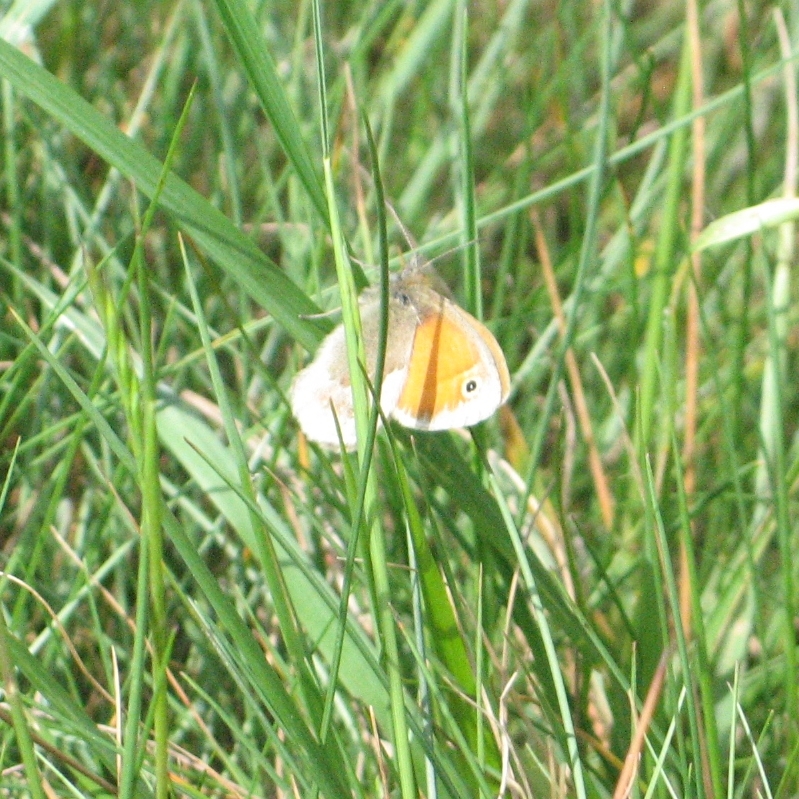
(470, 386)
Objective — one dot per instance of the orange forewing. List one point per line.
(496, 354)
(441, 355)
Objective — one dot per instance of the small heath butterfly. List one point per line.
(444, 368)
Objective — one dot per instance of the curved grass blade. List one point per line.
(738, 224)
(258, 65)
(210, 229)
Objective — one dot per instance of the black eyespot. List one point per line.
(403, 298)
(470, 387)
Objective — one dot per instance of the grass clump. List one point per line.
(593, 595)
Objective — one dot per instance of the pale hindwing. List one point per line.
(401, 325)
(326, 380)
(318, 386)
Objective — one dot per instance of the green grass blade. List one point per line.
(664, 259)
(261, 71)
(209, 228)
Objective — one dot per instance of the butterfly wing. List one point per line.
(457, 375)
(322, 392)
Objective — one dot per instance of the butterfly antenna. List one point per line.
(417, 260)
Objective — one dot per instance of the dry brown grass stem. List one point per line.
(692, 338)
(606, 502)
(625, 781)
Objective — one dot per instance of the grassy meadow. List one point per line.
(592, 594)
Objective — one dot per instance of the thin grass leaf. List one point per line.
(207, 226)
(261, 71)
(743, 223)
(210, 464)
